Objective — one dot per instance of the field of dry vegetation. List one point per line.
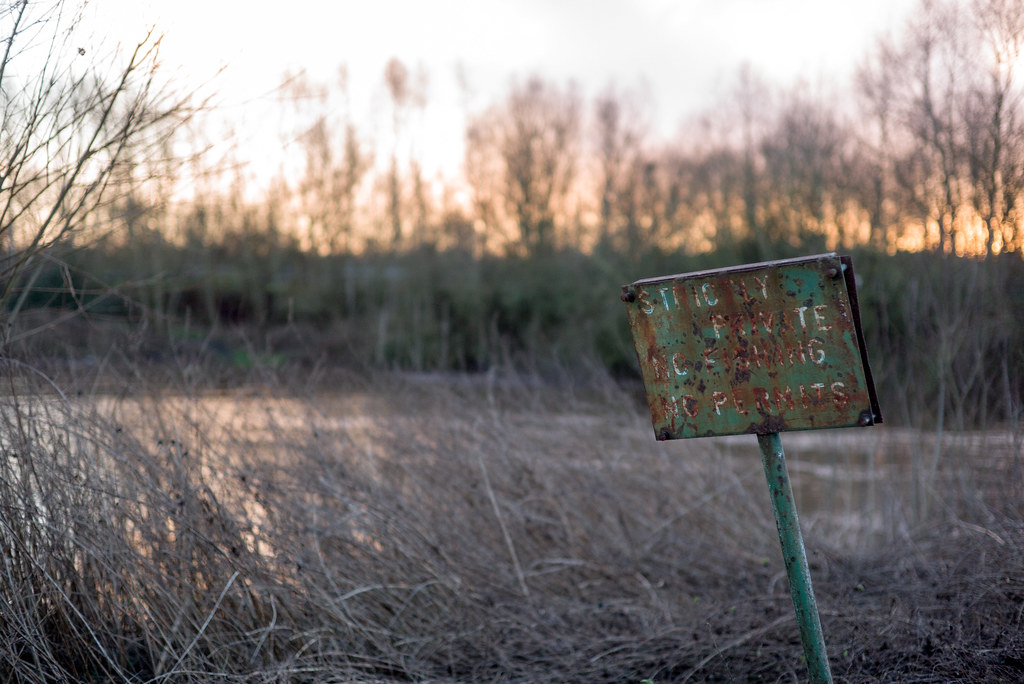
(327, 526)
(347, 429)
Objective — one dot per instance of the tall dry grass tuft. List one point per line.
(401, 528)
(119, 559)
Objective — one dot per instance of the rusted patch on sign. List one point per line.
(759, 348)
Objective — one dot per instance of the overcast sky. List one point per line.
(678, 56)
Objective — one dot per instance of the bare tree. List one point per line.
(70, 122)
(752, 99)
(484, 174)
(945, 102)
(806, 157)
(336, 161)
(876, 85)
(617, 145)
(936, 55)
(408, 92)
(995, 124)
(535, 134)
(396, 76)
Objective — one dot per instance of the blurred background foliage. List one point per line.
(354, 254)
(945, 334)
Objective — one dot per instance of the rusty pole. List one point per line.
(795, 558)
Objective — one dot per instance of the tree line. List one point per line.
(517, 263)
(923, 151)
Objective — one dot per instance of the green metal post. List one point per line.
(795, 557)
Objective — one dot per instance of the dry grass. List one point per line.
(395, 529)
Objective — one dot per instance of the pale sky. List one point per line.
(679, 57)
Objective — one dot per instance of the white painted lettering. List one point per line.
(819, 318)
(763, 284)
(675, 406)
(736, 322)
(839, 396)
(795, 354)
(741, 287)
(783, 399)
(817, 355)
(800, 312)
(707, 288)
(761, 400)
(644, 297)
(718, 322)
(678, 295)
(690, 405)
(679, 363)
(658, 365)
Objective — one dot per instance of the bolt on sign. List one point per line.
(759, 348)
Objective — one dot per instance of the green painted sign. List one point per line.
(758, 348)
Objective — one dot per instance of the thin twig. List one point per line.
(734, 643)
(504, 528)
(202, 629)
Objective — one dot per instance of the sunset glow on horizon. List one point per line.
(502, 124)
(676, 59)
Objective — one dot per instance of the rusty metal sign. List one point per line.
(758, 348)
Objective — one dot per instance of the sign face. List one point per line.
(759, 348)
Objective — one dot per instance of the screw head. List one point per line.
(866, 418)
(628, 296)
(664, 434)
(832, 273)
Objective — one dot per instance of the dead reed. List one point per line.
(397, 528)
